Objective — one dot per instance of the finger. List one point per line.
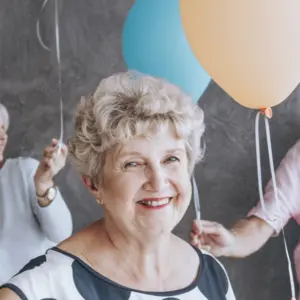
(194, 238)
(192, 235)
(196, 226)
(199, 223)
(202, 239)
(207, 248)
(48, 151)
(52, 164)
(215, 251)
(61, 154)
(212, 246)
(214, 229)
(210, 240)
(195, 241)
(64, 150)
(54, 142)
(47, 161)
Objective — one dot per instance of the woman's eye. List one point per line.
(131, 164)
(172, 159)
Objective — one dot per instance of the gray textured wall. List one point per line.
(91, 49)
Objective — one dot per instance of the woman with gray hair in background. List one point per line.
(136, 142)
(33, 215)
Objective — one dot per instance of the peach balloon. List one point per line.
(250, 48)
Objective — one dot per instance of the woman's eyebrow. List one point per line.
(125, 154)
(129, 153)
(175, 150)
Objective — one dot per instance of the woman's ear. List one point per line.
(87, 181)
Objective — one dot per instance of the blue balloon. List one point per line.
(154, 43)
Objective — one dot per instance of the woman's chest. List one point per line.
(175, 274)
(88, 286)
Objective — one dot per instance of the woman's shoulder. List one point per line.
(212, 266)
(213, 274)
(35, 280)
(212, 279)
(25, 164)
(52, 262)
(54, 275)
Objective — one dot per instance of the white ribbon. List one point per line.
(260, 189)
(58, 58)
(196, 199)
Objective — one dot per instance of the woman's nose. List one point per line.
(157, 179)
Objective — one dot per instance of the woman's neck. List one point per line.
(141, 256)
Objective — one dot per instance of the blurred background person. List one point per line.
(33, 214)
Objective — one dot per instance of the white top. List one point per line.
(26, 229)
(61, 275)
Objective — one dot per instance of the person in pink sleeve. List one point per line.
(250, 234)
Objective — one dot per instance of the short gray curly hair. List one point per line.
(127, 105)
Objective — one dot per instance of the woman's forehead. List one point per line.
(156, 143)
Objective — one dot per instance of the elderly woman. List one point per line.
(33, 214)
(136, 143)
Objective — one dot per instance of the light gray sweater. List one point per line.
(26, 229)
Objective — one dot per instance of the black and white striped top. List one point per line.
(61, 276)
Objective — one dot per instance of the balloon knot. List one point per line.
(267, 112)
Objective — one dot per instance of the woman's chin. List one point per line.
(157, 225)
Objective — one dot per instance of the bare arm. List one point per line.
(55, 219)
(246, 237)
(250, 235)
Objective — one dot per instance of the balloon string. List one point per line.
(260, 189)
(38, 32)
(196, 199)
(58, 59)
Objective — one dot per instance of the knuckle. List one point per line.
(218, 226)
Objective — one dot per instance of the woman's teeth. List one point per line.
(156, 203)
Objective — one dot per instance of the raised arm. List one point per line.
(245, 238)
(47, 203)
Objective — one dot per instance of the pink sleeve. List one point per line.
(288, 186)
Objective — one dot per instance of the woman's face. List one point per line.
(3, 137)
(146, 185)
